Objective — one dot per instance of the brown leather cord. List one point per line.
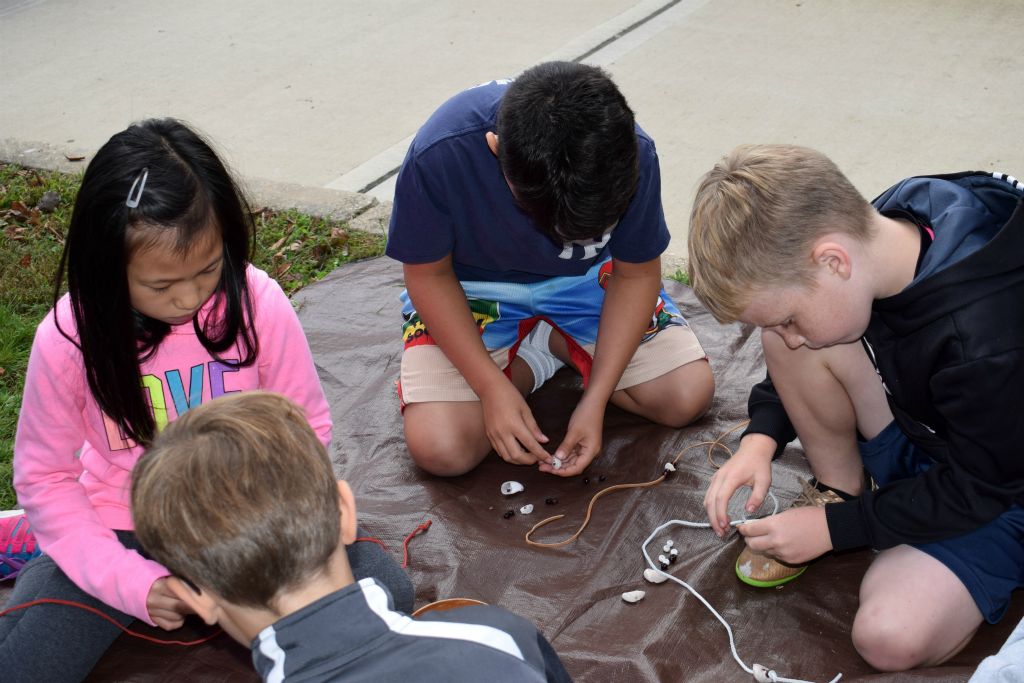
(717, 443)
(712, 445)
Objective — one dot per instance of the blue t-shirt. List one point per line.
(452, 198)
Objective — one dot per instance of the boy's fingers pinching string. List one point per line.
(519, 448)
(716, 502)
(757, 535)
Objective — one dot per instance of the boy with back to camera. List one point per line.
(894, 338)
(239, 500)
(521, 204)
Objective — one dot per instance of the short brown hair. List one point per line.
(756, 216)
(238, 496)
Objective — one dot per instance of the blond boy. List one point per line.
(894, 338)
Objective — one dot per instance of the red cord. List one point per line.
(87, 608)
(371, 539)
(405, 544)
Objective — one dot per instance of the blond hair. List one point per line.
(238, 496)
(755, 218)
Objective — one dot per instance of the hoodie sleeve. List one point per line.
(980, 477)
(768, 416)
(285, 361)
(51, 430)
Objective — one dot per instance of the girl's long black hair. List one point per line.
(188, 191)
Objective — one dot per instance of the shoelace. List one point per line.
(13, 566)
(811, 496)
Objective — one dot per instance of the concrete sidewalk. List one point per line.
(327, 94)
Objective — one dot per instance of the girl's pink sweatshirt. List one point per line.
(72, 466)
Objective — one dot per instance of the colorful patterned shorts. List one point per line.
(506, 312)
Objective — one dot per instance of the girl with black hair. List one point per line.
(164, 311)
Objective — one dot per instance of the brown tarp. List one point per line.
(572, 593)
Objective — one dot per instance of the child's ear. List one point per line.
(347, 508)
(492, 142)
(201, 602)
(833, 256)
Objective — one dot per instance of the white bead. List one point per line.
(633, 596)
(662, 559)
(666, 548)
(556, 463)
(526, 509)
(674, 552)
(511, 487)
(669, 467)
(669, 543)
(654, 576)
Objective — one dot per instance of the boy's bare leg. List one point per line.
(448, 438)
(674, 399)
(913, 612)
(829, 394)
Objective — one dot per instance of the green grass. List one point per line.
(16, 331)
(680, 276)
(297, 249)
(294, 248)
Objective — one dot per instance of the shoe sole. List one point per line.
(766, 584)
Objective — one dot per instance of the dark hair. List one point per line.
(188, 191)
(239, 497)
(567, 146)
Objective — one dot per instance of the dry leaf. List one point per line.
(338, 237)
(74, 157)
(26, 261)
(277, 245)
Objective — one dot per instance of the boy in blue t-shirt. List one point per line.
(520, 206)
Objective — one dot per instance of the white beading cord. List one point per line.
(760, 673)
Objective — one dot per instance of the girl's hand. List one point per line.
(751, 466)
(582, 441)
(164, 607)
(510, 426)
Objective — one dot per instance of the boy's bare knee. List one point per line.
(886, 641)
(691, 398)
(442, 447)
(441, 457)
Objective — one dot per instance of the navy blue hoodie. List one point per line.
(355, 635)
(950, 351)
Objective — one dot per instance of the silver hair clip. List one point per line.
(133, 202)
